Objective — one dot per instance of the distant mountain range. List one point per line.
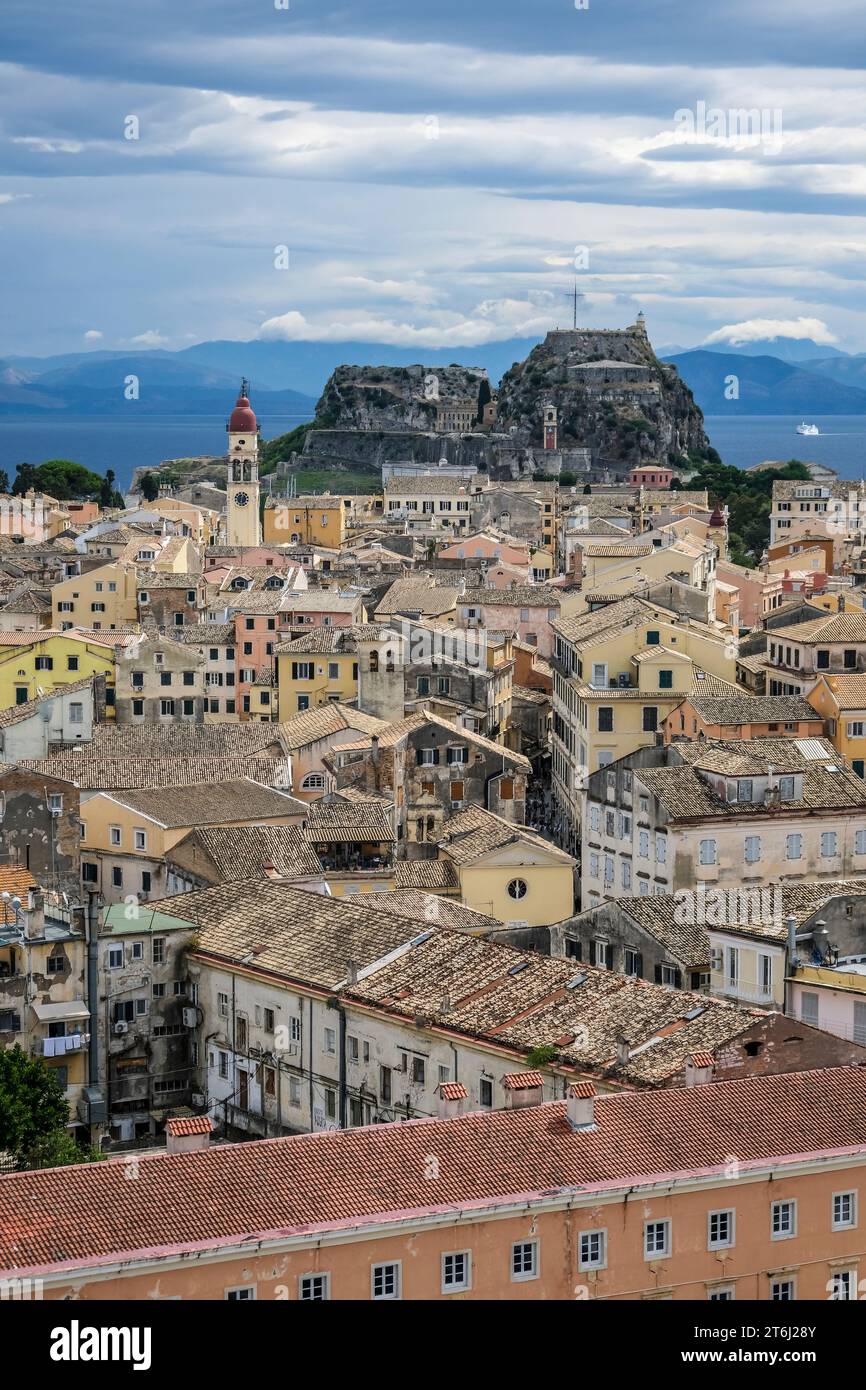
(778, 377)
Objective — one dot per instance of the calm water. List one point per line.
(102, 443)
(747, 439)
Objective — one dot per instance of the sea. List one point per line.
(103, 443)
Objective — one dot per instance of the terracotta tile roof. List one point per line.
(474, 832)
(124, 772)
(453, 1090)
(418, 593)
(233, 1194)
(205, 635)
(314, 724)
(336, 639)
(617, 552)
(836, 627)
(521, 596)
(206, 803)
(849, 692)
(438, 911)
(289, 931)
(425, 873)
(685, 795)
(15, 713)
(319, 601)
(16, 882)
(396, 733)
(582, 1090)
(662, 918)
(434, 484)
(190, 1124)
(242, 851)
(756, 709)
(347, 822)
(702, 1059)
(522, 1080)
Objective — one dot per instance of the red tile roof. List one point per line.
(581, 1090)
(233, 1193)
(522, 1080)
(702, 1059)
(191, 1124)
(453, 1090)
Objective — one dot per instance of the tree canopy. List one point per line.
(60, 478)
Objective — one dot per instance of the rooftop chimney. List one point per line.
(699, 1068)
(581, 1105)
(184, 1135)
(623, 1047)
(523, 1088)
(351, 972)
(452, 1094)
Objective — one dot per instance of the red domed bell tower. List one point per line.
(242, 507)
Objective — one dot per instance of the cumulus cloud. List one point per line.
(92, 335)
(490, 322)
(768, 330)
(151, 338)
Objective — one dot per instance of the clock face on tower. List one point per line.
(241, 499)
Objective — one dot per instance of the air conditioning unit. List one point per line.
(120, 1028)
(190, 1018)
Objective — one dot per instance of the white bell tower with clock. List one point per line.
(243, 526)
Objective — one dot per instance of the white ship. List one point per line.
(803, 428)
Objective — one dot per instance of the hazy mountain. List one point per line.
(766, 386)
(785, 349)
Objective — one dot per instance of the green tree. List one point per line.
(32, 1102)
(107, 491)
(4, 480)
(25, 479)
(58, 1150)
(60, 478)
(149, 487)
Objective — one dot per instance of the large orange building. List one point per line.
(734, 1190)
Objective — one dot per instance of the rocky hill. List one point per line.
(397, 398)
(612, 395)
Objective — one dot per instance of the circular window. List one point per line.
(517, 888)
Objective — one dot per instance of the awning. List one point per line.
(50, 1013)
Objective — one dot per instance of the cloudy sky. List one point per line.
(437, 174)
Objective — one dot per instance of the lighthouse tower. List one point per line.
(242, 511)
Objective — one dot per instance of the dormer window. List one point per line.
(744, 789)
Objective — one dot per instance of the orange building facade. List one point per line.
(623, 1196)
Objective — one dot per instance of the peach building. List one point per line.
(733, 1190)
(743, 716)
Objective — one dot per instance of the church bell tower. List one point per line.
(243, 526)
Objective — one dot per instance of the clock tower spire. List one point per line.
(243, 526)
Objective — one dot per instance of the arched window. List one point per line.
(374, 661)
(314, 781)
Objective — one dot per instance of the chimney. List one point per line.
(184, 1135)
(374, 747)
(351, 972)
(623, 1048)
(452, 1094)
(522, 1089)
(699, 1068)
(581, 1105)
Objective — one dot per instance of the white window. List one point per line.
(314, 1288)
(720, 1229)
(158, 950)
(643, 844)
(722, 1293)
(385, 1281)
(223, 1005)
(793, 846)
(458, 755)
(353, 1049)
(330, 1040)
(114, 834)
(783, 1220)
(246, 1294)
(115, 957)
(856, 728)
(595, 817)
(753, 849)
(626, 874)
(593, 1250)
(426, 756)
(594, 862)
(828, 844)
(661, 848)
(524, 1260)
(733, 964)
(782, 1290)
(844, 1211)
(656, 1240)
(138, 950)
(842, 1286)
(708, 851)
(456, 1271)
(314, 781)
(295, 1091)
(860, 842)
(140, 839)
(765, 974)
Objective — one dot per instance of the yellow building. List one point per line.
(128, 836)
(321, 667)
(35, 663)
(841, 702)
(506, 871)
(103, 598)
(306, 521)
